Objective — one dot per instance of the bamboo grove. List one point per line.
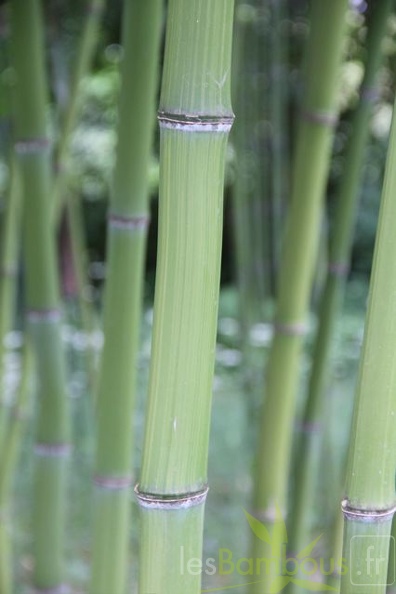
(197, 296)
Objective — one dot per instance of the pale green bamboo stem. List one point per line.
(195, 118)
(127, 228)
(9, 457)
(8, 275)
(307, 459)
(370, 499)
(311, 163)
(33, 152)
(246, 171)
(279, 145)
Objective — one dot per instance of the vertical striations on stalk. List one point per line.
(195, 118)
(127, 229)
(340, 245)
(32, 148)
(370, 499)
(311, 161)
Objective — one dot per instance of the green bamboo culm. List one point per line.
(8, 462)
(311, 162)
(340, 245)
(195, 118)
(32, 148)
(8, 272)
(370, 500)
(127, 230)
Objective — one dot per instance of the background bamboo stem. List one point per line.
(311, 163)
(127, 229)
(34, 157)
(307, 458)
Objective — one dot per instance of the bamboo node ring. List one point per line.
(339, 269)
(372, 515)
(112, 483)
(52, 450)
(43, 315)
(293, 329)
(124, 223)
(195, 123)
(171, 502)
(325, 118)
(32, 146)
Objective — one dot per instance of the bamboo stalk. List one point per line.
(318, 117)
(8, 273)
(127, 229)
(33, 152)
(340, 246)
(8, 461)
(370, 501)
(195, 118)
(279, 145)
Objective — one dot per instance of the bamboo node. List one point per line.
(32, 146)
(370, 515)
(112, 483)
(325, 118)
(369, 94)
(43, 315)
(171, 502)
(134, 223)
(339, 269)
(195, 123)
(296, 329)
(52, 450)
(60, 589)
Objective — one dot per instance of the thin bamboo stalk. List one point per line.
(127, 228)
(311, 162)
(8, 274)
(370, 501)
(340, 246)
(245, 184)
(9, 457)
(32, 148)
(195, 118)
(279, 145)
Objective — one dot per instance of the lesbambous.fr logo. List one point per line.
(305, 568)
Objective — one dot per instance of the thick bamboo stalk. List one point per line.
(318, 117)
(370, 500)
(127, 228)
(33, 152)
(195, 118)
(340, 245)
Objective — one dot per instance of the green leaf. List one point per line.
(258, 528)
